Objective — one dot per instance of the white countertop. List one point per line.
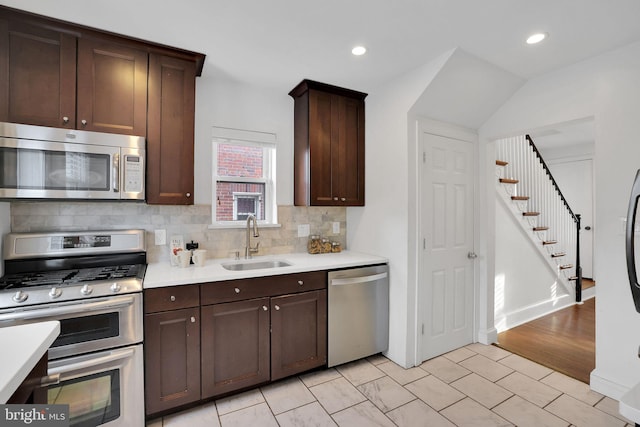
(163, 274)
(24, 346)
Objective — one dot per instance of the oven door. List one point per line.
(56, 170)
(105, 388)
(86, 325)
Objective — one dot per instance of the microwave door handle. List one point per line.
(115, 173)
(630, 241)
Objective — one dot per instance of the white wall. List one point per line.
(525, 286)
(221, 101)
(5, 227)
(608, 88)
(381, 227)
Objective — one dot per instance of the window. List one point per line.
(243, 176)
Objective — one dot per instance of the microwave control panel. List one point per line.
(133, 170)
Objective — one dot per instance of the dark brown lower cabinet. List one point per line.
(298, 333)
(235, 346)
(172, 371)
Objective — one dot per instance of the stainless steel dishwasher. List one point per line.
(358, 313)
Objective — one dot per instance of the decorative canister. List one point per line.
(314, 245)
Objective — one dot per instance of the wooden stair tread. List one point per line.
(566, 266)
(558, 254)
(509, 181)
(549, 242)
(501, 163)
(530, 213)
(519, 197)
(540, 228)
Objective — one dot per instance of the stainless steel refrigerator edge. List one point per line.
(358, 313)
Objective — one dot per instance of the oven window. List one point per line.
(93, 399)
(88, 328)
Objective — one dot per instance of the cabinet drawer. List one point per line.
(171, 298)
(236, 290)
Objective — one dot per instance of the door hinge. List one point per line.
(423, 329)
(424, 244)
(424, 157)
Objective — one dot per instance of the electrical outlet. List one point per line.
(303, 230)
(336, 227)
(161, 237)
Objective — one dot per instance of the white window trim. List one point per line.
(242, 137)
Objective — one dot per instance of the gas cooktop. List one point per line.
(68, 277)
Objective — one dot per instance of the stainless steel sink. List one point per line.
(255, 265)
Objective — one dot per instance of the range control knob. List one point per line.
(86, 290)
(20, 297)
(55, 293)
(115, 288)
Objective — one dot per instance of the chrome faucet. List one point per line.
(248, 250)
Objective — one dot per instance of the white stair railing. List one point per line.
(535, 180)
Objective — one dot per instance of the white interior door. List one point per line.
(575, 179)
(446, 271)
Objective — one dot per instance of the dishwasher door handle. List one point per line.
(360, 279)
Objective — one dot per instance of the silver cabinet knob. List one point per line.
(277, 307)
(86, 290)
(172, 298)
(265, 308)
(188, 194)
(300, 282)
(65, 120)
(84, 122)
(193, 319)
(115, 288)
(55, 293)
(335, 198)
(237, 290)
(344, 199)
(20, 297)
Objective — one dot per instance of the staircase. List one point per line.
(527, 187)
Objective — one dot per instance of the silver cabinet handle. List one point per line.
(300, 282)
(265, 308)
(65, 120)
(277, 307)
(172, 298)
(237, 290)
(193, 319)
(84, 122)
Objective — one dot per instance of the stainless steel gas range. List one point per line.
(92, 283)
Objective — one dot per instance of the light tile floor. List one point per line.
(476, 385)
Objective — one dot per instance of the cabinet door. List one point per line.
(321, 132)
(172, 359)
(37, 75)
(170, 131)
(112, 88)
(347, 152)
(299, 333)
(235, 346)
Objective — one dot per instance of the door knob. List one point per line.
(472, 255)
(588, 227)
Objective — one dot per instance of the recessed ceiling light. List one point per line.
(536, 38)
(359, 50)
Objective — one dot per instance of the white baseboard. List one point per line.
(605, 386)
(532, 312)
(488, 336)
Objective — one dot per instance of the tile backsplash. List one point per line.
(192, 222)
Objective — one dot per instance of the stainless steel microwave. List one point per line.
(38, 162)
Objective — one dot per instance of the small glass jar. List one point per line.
(326, 245)
(336, 247)
(314, 244)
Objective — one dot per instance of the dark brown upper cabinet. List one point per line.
(328, 145)
(170, 130)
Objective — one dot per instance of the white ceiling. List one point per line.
(276, 43)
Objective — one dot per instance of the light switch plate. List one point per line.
(161, 237)
(336, 227)
(303, 230)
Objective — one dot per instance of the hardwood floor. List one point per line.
(564, 341)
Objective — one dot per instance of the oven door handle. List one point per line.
(79, 309)
(92, 362)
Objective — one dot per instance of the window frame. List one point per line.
(239, 137)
